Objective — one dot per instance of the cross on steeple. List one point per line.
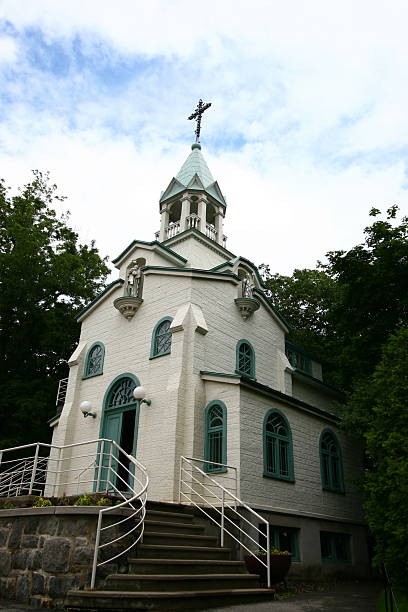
(197, 116)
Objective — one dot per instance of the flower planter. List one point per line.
(280, 565)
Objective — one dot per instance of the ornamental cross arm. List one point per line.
(197, 114)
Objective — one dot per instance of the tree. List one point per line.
(305, 300)
(372, 298)
(385, 398)
(46, 277)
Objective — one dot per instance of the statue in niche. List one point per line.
(248, 285)
(133, 279)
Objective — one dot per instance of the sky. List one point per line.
(307, 129)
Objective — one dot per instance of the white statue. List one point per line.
(248, 285)
(133, 279)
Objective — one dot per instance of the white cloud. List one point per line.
(314, 93)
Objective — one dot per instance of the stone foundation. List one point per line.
(46, 551)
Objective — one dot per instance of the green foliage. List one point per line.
(352, 311)
(372, 302)
(40, 502)
(46, 277)
(385, 399)
(88, 499)
(306, 299)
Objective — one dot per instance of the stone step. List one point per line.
(167, 507)
(186, 566)
(165, 600)
(170, 527)
(178, 539)
(158, 551)
(166, 515)
(176, 582)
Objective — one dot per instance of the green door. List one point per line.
(119, 423)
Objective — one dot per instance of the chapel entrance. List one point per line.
(120, 423)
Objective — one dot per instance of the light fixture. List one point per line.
(86, 409)
(139, 394)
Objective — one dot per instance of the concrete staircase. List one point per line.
(179, 566)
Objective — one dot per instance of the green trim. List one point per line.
(293, 533)
(118, 281)
(288, 439)
(251, 373)
(261, 295)
(208, 430)
(153, 353)
(222, 374)
(143, 243)
(331, 458)
(182, 271)
(317, 382)
(288, 399)
(100, 371)
(333, 547)
(201, 236)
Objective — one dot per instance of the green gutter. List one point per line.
(118, 281)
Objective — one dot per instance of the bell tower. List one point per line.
(193, 199)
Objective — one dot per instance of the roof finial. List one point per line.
(197, 116)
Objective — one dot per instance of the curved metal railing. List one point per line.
(95, 466)
(201, 490)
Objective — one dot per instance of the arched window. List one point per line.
(94, 360)
(278, 455)
(330, 462)
(245, 356)
(215, 444)
(161, 338)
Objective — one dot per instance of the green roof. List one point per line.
(195, 164)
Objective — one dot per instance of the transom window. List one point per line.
(245, 359)
(121, 393)
(94, 360)
(161, 338)
(330, 463)
(215, 436)
(278, 459)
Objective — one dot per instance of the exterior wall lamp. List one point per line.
(139, 394)
(85, 408)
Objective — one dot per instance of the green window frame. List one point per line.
(298, 359)
(245, 359)
(335, 547)
(331, 464)
(94, 361)
(282, 538)
(277, 442)
(161, 338)
(215, 440)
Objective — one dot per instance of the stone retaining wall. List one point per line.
(46, 551)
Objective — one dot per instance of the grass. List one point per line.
(401, 597)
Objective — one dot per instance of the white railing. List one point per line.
(193, 221)
(200, 489)
(100, 466)
(210, 231)
(173, 229)
(62, 392)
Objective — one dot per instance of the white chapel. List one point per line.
(190, 323)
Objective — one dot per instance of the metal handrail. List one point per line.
(62, 471)
(197, 482)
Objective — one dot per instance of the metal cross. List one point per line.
(197, 116)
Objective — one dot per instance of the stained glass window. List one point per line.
(278, 461)
(161, 341)
(215, 437)
(121, 393)
(331, 465)
(245, 359)
(94, 360)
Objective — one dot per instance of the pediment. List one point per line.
(216, 192)
(173, 188)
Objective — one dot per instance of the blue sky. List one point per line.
(307, 130)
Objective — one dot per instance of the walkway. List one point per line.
(355, 597)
